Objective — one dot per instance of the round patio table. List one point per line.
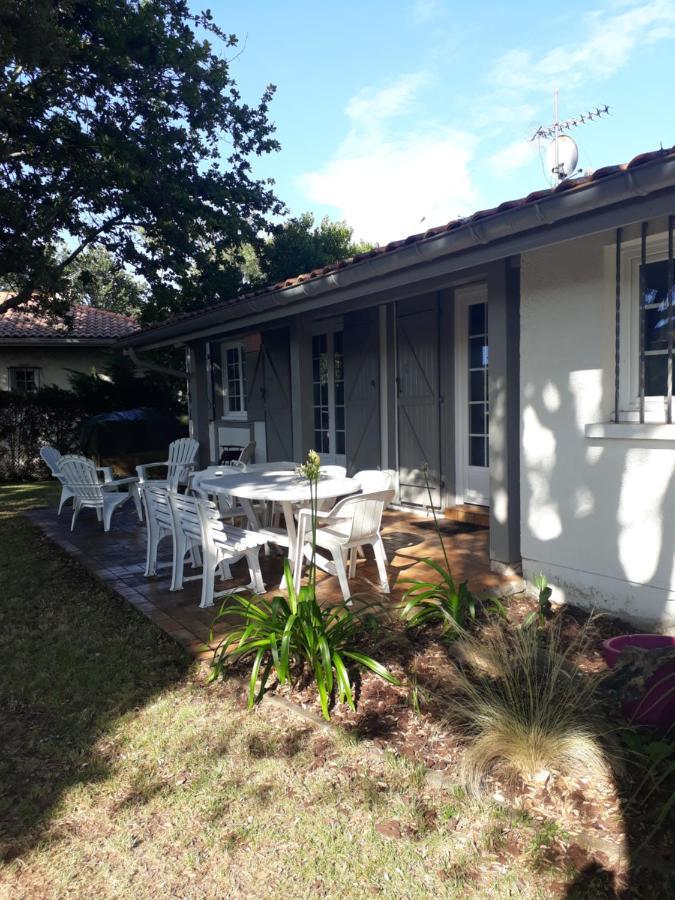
(285, 488)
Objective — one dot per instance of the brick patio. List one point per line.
(118, 559)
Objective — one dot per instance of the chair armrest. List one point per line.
(142, 468)
(131, 479)
(107, 473)
(326, 517)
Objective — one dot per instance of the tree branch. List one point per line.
(24, 294)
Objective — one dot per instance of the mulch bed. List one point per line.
(408, 721)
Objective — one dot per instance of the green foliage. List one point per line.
(28, 421)
(656, 790)
(98, 279)
(113, 121)
(429, 602)
(288, 635)
(544, 606)
(118, 386)
(299, 246)
(434, 602)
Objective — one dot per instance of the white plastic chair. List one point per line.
(376, 480)
(352, 523)
(81, 478)
(160, 524)
(52, 457)
(182, 457)
(198, 520)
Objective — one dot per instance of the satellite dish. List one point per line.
(567, 157)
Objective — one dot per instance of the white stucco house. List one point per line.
(38, 352)
(524, 354)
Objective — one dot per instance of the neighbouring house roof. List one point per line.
(89, 326)
(606, 187)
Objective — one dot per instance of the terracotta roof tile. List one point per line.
(571, 184)
(88, 323)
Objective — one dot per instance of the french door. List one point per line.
(473, 416)
(328, 396)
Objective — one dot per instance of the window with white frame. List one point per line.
(234, 380)
(329, 393)
(24, 379)
(646, 325)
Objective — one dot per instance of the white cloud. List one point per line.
(607, 47)
(384, 179)
(370, 106)
(511, 157)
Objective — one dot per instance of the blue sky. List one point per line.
(404, 114)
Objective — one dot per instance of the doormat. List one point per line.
(448, 526)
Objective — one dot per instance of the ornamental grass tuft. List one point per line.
(526, 709)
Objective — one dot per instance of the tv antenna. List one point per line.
(562, 153)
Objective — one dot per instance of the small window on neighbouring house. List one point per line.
(24, 379)
(234, 379)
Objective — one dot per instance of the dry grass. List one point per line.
(123, 775)
(525, 708)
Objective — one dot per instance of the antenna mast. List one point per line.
(557, 127)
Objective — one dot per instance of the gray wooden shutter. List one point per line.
(362, 389)
(418, 399)
(277, 394)
(216, 393)
(255, 382)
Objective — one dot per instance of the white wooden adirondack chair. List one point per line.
(182, 458)
(352, 523)
(52, 457)
(221, 545)
(80, 475)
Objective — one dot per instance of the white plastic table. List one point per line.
(284, 488)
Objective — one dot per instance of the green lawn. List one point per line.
(123, 775)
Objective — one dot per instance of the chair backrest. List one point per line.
(216, 533)
(364, 511)
(182, 455)
(376, 480)
(51, 458)
(246, 455)
(157, 507)
(333, 471)
(81, 477)
(185, 515)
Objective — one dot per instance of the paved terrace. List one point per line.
(118, 559)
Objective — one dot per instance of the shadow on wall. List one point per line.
(603, 509)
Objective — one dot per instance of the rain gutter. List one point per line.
(591, 208)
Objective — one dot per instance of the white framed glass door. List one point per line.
(472, 409)
(328, 396)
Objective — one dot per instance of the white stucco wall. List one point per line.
(53, 363)
(598, 515)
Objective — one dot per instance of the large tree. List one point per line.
(298, 245)
(98, 279)
(121, 127)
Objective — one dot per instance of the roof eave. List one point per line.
(614, 190)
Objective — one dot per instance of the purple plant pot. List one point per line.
(657, 706)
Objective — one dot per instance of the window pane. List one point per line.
(477, 323)
(476, 385)
(657, 323)
(656, 375)
(339, 442)
(477, 418)
(656, 281)
(340, 417)
(477, 451)
(478, 353)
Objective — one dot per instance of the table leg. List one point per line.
(251, 517)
